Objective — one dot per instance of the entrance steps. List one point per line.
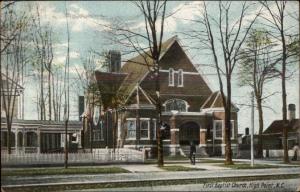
(185, 151)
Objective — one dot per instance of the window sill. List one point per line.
(130, 139)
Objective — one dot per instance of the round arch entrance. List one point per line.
(189, 131)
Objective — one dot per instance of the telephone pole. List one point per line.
(252, 128)
(299, 60)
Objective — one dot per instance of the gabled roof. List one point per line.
(215, 101)
(276, 127)
(137, 69)
(140, 96)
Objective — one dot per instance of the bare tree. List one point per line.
(48, 66)
(153, 13)
(57, 85)
(90, 89)
(277, 23)
(223, 38)
(42, 38)
(8, 35)
(13, 60)
(256, 70)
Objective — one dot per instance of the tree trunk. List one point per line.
(91, 133)
(284, 108)
(49, 90)
(54, 100)
(160, 157)
(8, 135)
(261, 127)
(228, 151)
(66, 144)
(42, 92)
(285, 123)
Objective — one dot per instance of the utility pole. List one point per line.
(252, 128)
(67, 94)
(299, 60)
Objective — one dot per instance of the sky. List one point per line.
(88, 18)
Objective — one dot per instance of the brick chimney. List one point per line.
(292, 111)
(115, 61)
(247, 131)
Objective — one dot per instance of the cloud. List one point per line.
(60, 45)
(49, 14)
(81, 18)
(74, 54)
(78, 17)
(188, 11)
(59, 59)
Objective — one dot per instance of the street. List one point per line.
(269, 185)
(14, 181)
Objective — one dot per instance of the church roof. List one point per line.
(138, 67)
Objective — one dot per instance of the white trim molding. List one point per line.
(134, 146)
(184, 113)
(171, 78)
(184, 72)
(223, 145)
(172, 145)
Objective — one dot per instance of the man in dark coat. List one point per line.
(295, 149)
(192, 152)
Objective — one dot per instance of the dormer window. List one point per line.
(171, 77)
(180, 78)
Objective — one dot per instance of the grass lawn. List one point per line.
(211, 161)
(178, 157)
(61, 171)
(179, 168)
(248, 166)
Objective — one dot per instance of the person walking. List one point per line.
(296, 150)
(192, 152)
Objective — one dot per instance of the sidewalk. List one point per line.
(277, 162)
(154, 168)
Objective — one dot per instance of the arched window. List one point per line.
(171, 77)
(180, 78)
(176, 104)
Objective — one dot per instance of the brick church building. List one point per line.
(191, 111)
